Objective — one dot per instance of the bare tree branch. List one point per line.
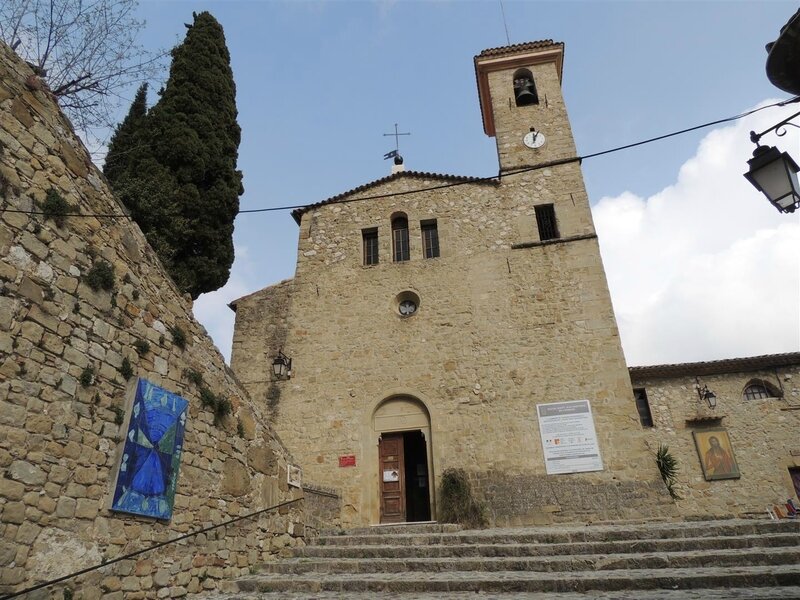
(87, 48)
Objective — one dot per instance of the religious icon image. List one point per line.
(716, 454)
(151, 455)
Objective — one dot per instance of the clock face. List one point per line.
(407, 307)
(533, 139)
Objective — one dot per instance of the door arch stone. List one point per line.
(396, 414)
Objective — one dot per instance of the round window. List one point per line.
(406, 303)
(408, 307)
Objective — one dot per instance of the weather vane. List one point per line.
(398, 160)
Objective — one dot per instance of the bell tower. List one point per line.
(519, 88)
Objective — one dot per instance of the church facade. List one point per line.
(440, 321)
(425, 327)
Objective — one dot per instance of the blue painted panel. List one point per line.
(148, 474)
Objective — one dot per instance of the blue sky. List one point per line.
(318, 83)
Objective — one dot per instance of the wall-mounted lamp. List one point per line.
(774, 173)
(282, 366)
(705, 394)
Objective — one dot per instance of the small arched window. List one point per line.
(400, 247)
(757, 389)
(525, 88)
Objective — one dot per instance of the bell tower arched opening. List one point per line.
(405, 466)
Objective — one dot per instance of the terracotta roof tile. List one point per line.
(298, 212)
(715, 367)
(515, 48)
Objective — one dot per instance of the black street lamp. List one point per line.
(774, 173)
(706, 394)
(282, 366)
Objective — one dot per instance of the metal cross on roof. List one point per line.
(396, 151)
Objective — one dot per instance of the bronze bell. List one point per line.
(525, 92)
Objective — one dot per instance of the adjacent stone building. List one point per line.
(430, 314)
(757, 406)
(85, 308)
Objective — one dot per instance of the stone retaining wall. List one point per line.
(323, 508)
(60, 429)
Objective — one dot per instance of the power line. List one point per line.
(471, 180)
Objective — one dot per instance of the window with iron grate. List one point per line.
(756, 391)
(546, 222)
(400, 246)
(430, 238)
(370, 242)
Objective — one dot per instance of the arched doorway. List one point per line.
(405, 465)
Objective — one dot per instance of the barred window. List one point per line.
(643, 406)
(430, 238)
(370, 240)
(546, 221)
(756, 391)
(400, 246)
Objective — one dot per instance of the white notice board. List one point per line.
(569, 439)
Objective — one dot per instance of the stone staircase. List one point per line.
(708, 560)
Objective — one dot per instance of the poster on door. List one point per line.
(569, 439)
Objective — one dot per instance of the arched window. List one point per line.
(400, 247)
(524, 88)
(758, 388)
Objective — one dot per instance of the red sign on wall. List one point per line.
(347, 461)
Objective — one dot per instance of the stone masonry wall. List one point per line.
(60, 435)
(763, 433)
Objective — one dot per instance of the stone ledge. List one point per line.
(572, 238)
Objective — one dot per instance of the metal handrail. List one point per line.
(148, 549)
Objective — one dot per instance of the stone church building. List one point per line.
(442, 321)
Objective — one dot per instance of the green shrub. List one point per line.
(222, 409)
(194, 377)
(55, 207)
(457, 503)
(178, 336)
(100, 276)
(87, 376)
(207, 398)
(126, 370)
(142, 347)
(119, 414)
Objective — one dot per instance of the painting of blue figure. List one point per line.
(151, 455)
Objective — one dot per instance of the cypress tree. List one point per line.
(182, 186)
(122, 142)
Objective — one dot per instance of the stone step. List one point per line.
(522, 581)
(679, 560)
(550, 535)
(775, 540)
(390, 529)
(749, 593)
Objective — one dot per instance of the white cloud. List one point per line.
(212, 309)
(706, 268)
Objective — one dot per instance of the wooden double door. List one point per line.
(403, 476)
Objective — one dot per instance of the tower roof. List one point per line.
(505, 57)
